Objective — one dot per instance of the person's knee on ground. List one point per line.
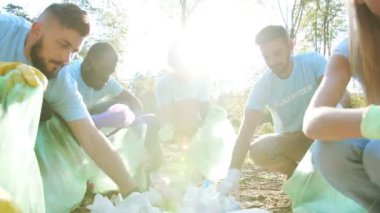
(371, 160)
(330, 159)
(343, 165)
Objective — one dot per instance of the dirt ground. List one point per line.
(259, 188)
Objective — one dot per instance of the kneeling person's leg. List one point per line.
(279, 152)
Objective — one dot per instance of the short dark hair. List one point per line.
(269, 33)
(70, 16)
(100, 48)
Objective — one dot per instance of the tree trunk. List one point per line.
(183, 13)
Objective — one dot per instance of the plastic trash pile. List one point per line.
(195, 199)
(136, 202)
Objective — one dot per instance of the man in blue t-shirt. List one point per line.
(109, 103)
(285, 88)
(48, 44)
(99, 90)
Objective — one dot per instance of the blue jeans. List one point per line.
(352, 167)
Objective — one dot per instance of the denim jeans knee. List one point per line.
(371, 161)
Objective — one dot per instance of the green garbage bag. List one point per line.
(129, 143)
(310, 192)
(64, 166)
(20, 107)
(211, 147)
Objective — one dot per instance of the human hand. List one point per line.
(230, 183)
(129, 188)
(370, 126)
(13, 77)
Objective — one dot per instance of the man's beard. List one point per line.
(40, 63)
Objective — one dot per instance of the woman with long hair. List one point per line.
(348, 149)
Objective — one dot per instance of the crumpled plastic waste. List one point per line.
(206, 200)
(135, 202)
(195, 200)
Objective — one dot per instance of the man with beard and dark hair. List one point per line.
(48, 44)
(285, 88)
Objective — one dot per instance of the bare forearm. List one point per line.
(332, 124)
(250, 121)
(240, 150)
(102, 153)
(131, 100)
(136, 105)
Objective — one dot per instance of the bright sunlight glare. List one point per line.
(219, 33)
(220, 38)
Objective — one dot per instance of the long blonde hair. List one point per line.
(365, 48)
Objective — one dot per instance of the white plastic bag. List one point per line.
(135, 202)
(206, 200)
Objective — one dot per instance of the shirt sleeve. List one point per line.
(113, 87)
(318, 63)
(64, 98)
(343, 48)
(2, 29)
(258, 99)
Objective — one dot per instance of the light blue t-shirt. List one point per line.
(343, 48)
(90, 96)
(13, 32)
(170, 90)
(287, 99)
(61, 92)
(63, 96)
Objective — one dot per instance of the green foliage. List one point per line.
(322, 22)
(108, 23)
(180, 8)
(18, 11)
(316, 22)
(265, 128)
(113, 22)
(85, 4)
(235, 103)
(143, 87)
(292, 19)
(358, 100)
